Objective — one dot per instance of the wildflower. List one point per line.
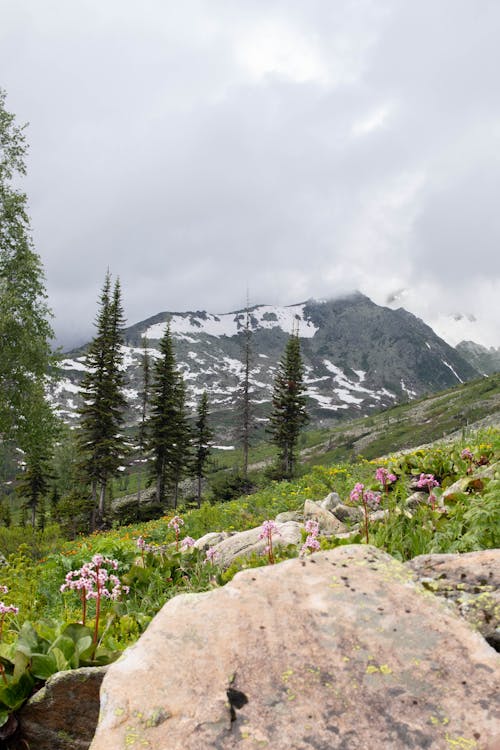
(94, 581)
(357, 492)
(311, 543)
(466, 454)
(268, 529)
(429, 481)
(211, 555)
(187, 543)
(385, 477)
(175, 523)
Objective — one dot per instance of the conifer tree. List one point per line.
(202, 438)
(144, 396)
(181, 453)
(167, 426)
(247, 421)
(102, 413)
(288, 415)
(25, 330)
(36, 440)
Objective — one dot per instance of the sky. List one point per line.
(208, 150)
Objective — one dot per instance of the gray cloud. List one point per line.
(297, 149)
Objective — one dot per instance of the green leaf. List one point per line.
(4, 717)
(43, 666)
(16, 693)
(65, 645)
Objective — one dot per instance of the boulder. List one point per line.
(328, 523)
(247, 542)
(289, 515)
(341, 650)
(128, 509)
(63, 714)
(331, 501)
(210, 539)
(349, 513)
(470, 581)
(418, 498)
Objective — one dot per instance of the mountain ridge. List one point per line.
(358, 357)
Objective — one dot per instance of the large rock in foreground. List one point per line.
(339, 651)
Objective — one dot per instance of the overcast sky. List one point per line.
(297, 148)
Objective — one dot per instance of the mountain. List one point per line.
(358, 357)
(485, 360)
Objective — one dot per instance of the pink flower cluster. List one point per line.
(187, 543)
(175, 523)
(267, 530)
(211, 556)
(467, 455)
(311, 543)
(385, 477)
(93, 580)
(429, 481)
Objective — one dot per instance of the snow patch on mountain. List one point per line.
(230, 324)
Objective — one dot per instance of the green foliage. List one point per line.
(288, 415)
(202, 435)
(25, 332)
(102, 413)
(167, 425)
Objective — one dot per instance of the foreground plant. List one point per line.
(268, 529)
(175, 523)
(430, 482)
(94, 581)
(311, 543)
(369, 499)
(385, 477)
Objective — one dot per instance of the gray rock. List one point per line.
(290, 515)
(210, 539)
(416, 499)
(471, 582)
(350, 513)
(331, 501)
(377, 515)
(128, 509)
(340, 650)
(63, 714)
(247, 542)
(328, 523)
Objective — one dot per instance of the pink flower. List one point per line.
(211, 555)
(187, 543)
(312, 527)
(384, 476)
(268, 529)
(6, 609)
(466, 455)
(175, 523)
(357, 492)
(427, 480)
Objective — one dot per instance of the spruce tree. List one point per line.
(288, 415)
(142, 432)
(167, 426)
(25, 330)
(246, 415)
(102, 413)
(36, 440)
(202, 437)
